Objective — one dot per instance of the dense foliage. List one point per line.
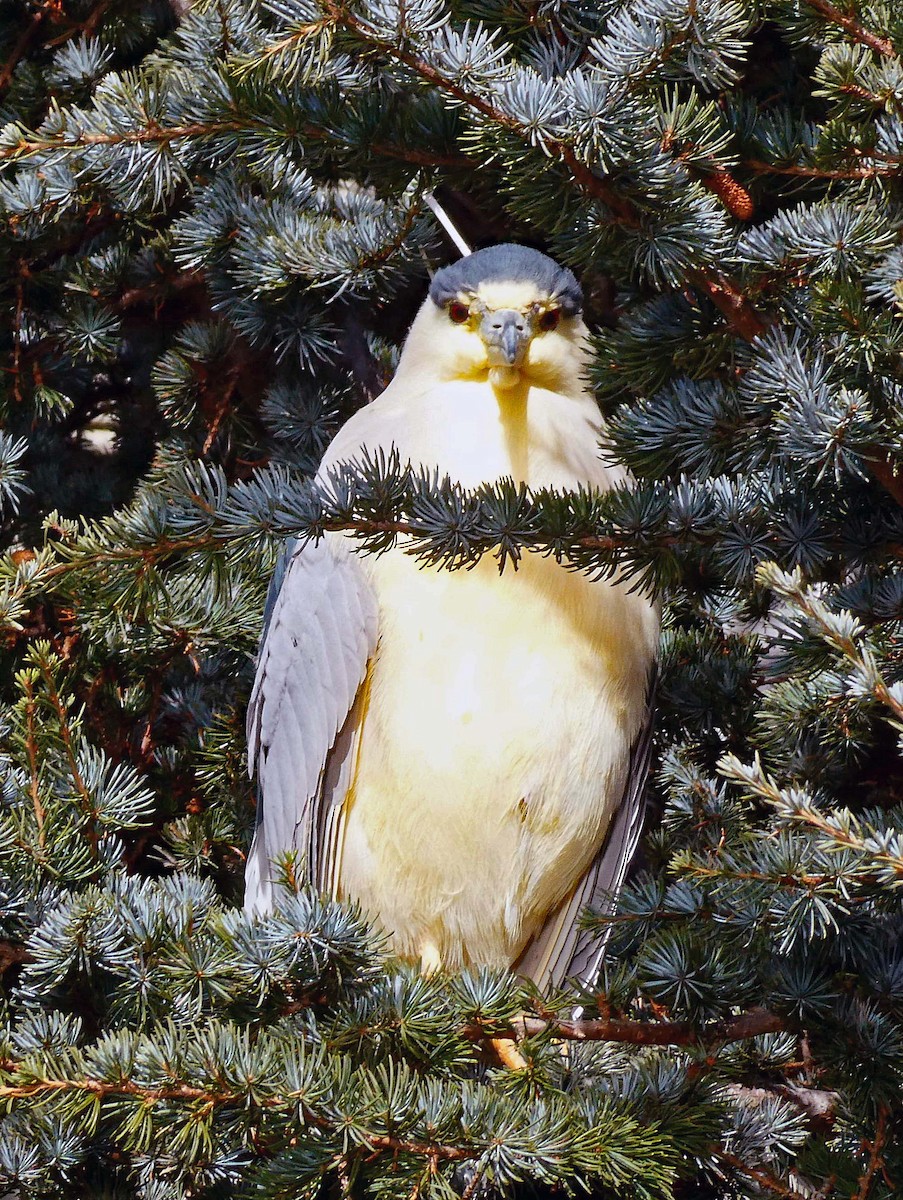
(214, 230)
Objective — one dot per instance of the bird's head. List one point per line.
(508, 314)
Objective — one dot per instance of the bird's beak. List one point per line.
(506, 334)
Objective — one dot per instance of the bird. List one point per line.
(462, 753)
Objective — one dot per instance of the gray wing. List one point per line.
(562, 950)
(320, 631)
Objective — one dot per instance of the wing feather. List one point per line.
(562, 950)
(319, 635)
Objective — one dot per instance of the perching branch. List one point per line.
(642, 1033)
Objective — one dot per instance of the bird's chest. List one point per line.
(500, 709)
(494, 748)
(474, 669)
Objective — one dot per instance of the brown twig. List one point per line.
(431, 1150)
(146, 748)
(12, 954)
(875, 1147)
(220, 411)
(888, 473)
(16, 368)
(130, 137)
(643, 1033)
(742, 317)
(881, 45)
(808, 172)
(622, 209)
(294, 39)
(52, 9)
(32, 748)
(22, 46)
(106, 1089)
(172, 133)
(87, 805)
(771, 1184)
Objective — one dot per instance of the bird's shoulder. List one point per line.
(378, 425)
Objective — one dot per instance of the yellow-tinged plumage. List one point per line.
(489, 745)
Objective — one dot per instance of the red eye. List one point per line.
(459, 313)
(549, 320)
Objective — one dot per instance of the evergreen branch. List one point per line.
(153, 133)
(188, 1093)
(156, 552)
(594, 185)
(858, 32)
(292, 40)
(340, 15)
(876, 1161)
(719, 181)
(640, 1033)
(742, 316)
(765, 1180)
(782, 880)
(841, 634)
(65, 731)
(163, 134)
(31, 744)
(889, 170)
(847, 838)
(840, 829)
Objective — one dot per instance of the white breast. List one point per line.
(501, 710)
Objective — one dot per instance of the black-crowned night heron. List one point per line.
(462, 752)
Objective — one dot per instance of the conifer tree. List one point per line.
(215, 228)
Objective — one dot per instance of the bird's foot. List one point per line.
(506, 1049)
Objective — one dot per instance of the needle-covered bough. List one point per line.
(463, 753)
